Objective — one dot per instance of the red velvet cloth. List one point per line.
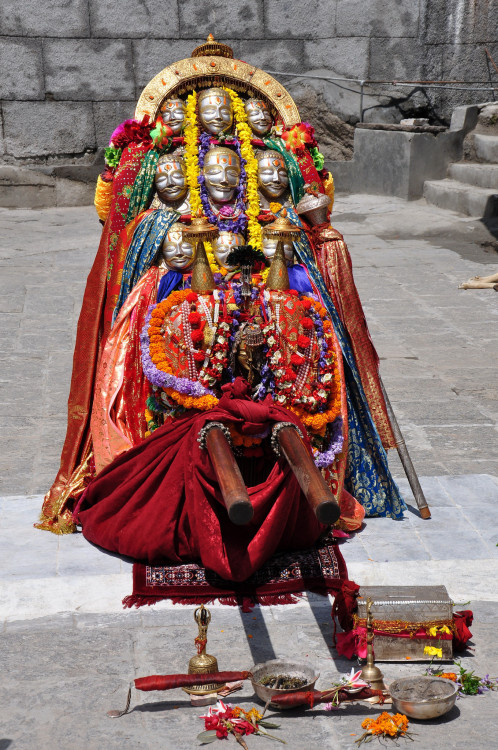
(160, 501)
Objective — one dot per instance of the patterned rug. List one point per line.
(282, 580)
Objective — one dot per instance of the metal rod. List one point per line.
(410, 472)
(233, 489)
(312, 483)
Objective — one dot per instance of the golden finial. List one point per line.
(214, 48)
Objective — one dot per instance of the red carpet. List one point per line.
(282, 580)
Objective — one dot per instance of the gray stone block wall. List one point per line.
(73, 69)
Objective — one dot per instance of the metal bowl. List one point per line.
(423, 697)
(282, 666)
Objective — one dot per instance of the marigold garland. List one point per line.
(326, 392)
(244, 133)
(192, 155)
(216, 355)
(213, 263)
(103, 198)
(387, 725)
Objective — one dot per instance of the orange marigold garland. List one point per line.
(192, 392)
(322, 405)
(386, 725)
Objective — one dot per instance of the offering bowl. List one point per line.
(423, 697)
(282, 667)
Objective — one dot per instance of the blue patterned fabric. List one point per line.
(168, 284)
(368, 477)
(299, 279)
(144, 247)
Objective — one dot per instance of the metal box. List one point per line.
(427, 605)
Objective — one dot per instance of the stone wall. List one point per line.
(72, 69)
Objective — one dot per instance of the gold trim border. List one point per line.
(203, 72)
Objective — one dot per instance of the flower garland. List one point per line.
(213, 263)
(251, 167)
(229, 219)
(191, 394)
(386, 725)
(191, 154)
(323, 404)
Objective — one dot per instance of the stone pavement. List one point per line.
(68, 651)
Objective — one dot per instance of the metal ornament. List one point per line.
(203, 663)
(314, 207)
(370, 673)
(199, 232)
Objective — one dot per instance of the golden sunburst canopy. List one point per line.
(212, 64)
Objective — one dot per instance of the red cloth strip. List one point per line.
(171, 681)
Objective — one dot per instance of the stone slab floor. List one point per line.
(67, 649)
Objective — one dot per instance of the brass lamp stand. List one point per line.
(370, 673)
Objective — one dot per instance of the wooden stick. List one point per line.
(233, 489)
(310, 479)
(410, 472)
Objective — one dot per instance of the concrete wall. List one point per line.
(72, 69)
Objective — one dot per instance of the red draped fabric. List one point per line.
(160, 501)
(93, 327)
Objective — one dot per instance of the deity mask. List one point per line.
(222, 173)
(223, 246)
(170, 179)
(258, 117)
(178, 254)
(173, 114)
(215, 111)
(273, 180)
(270, 246)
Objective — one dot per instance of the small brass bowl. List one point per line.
(281, 666)
(423, 697)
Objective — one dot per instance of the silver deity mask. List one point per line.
(270, 246)
(215, 111)
(178, 254)
(170, 179)
(223, 245)
(258, 117)
(173, 114)
(273, 180)
(222, 173)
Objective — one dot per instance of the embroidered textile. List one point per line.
(280, 580)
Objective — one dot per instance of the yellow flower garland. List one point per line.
(213, 264)
(245, 134)
(192, 154)
(103, 198)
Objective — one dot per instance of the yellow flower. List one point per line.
(245, 134)
(433, 651)
(211, 257)
(192, 154)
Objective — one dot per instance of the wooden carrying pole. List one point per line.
(311, 481)
(410, 472)
(233, 489)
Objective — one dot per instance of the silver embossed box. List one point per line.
(411, 610)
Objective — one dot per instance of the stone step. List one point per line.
(463, 198)
(486, 147)
(21, 187)
(480, 175)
